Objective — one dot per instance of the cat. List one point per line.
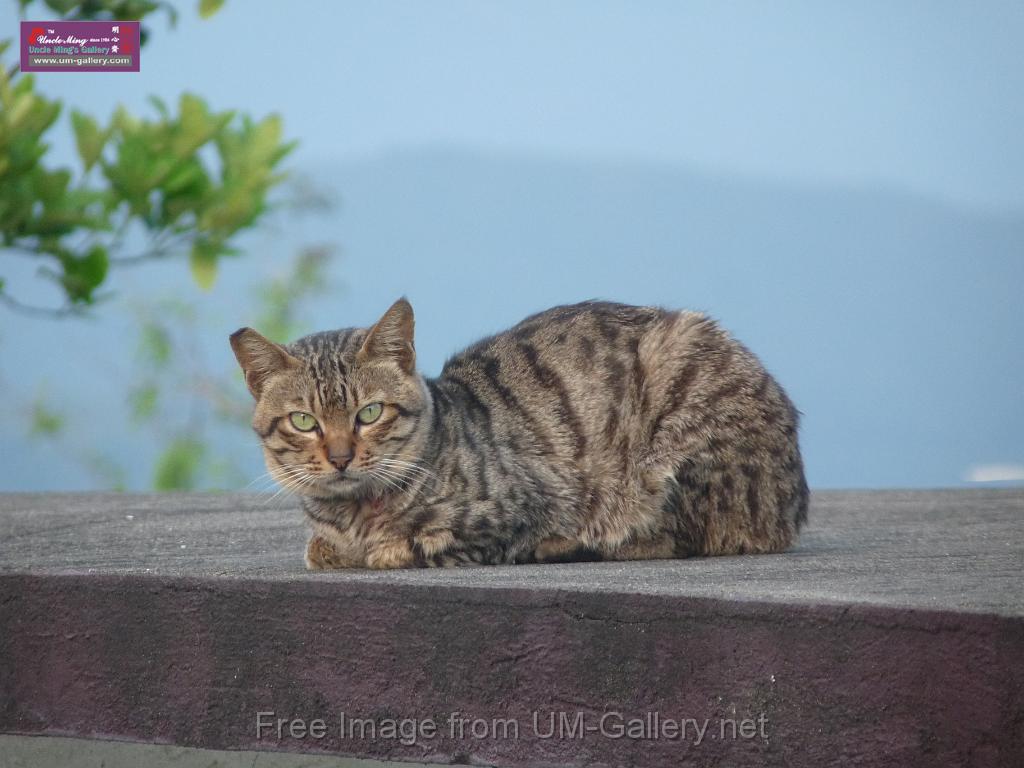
(595, 431)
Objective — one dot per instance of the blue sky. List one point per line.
(923, 96)
(872, 155)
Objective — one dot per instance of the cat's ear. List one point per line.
(392, 338)
(260, 358)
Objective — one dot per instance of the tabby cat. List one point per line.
(586, 432)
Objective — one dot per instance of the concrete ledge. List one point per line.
(892, 636)
(37, 751)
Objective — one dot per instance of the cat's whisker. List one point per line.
(420, 482)
(289, 471)
(400, 458)
(284, 468)
(392, 471)
(283, 495)
(387, 480)
(289, 468)
(287, 482)
(292, 482)
(405, 480)
(382, 468)
(278, 493)
(270, 475)
(407, 466)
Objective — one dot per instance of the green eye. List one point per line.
(303, 421)
(370, 413)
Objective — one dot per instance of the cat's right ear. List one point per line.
(260, 358)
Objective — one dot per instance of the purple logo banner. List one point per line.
(80, 46)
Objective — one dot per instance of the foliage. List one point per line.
(179, 465)
(186, 181)
(45, 421)
(278, 298)
(176, 396)
(209, 7)
(121, 10)
(178, 391)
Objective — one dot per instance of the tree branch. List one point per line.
(162, 251)
(52, 313)
(27, 250)
(154, 254)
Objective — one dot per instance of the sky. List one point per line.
(802, 122)
(922, 96)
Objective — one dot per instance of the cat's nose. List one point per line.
(340, 461)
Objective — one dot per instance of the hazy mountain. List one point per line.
(895, 322)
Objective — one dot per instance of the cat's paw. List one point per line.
(322, 556)
(390, 554)
(433, 543)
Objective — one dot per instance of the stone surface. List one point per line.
(60, 752)
(947, 550)
(892, 634)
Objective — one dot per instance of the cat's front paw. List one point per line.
(322, 556)
(390, 554)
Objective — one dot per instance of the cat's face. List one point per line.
(339, 413)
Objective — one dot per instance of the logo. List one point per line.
(80, 46)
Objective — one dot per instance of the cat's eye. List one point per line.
(302, 421)
(369, 414)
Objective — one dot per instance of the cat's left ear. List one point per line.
(392, 338)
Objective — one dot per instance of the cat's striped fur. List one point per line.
(591, 431)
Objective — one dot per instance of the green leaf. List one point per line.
(193, 174)
(124, 121)
(209, 7)
(84, 274)
(89, 138)
(266, 137)
(46, 422)
(62, 7)
(203, 261)
(160, 105)
(143, 401)
(105, 469)
(129, 176)
(155, 344)
(196, 124)
(50, 187)
(186, 175)
(178, 467)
